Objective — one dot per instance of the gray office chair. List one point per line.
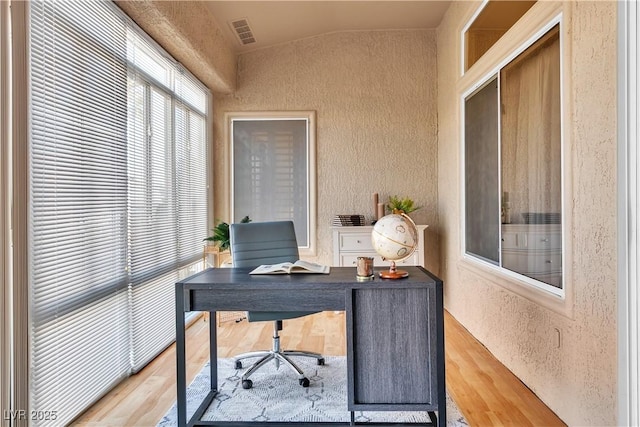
(254, 244)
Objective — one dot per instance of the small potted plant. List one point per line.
(220, 237)
(399, 205)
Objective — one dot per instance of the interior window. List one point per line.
(531, 162)
(492, 21)
(482, 208)
(513, 172)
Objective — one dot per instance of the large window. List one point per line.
(513, 167)
(117, 199)
(273, 174)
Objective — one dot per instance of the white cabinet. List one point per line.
(534, 250)
(351, 242)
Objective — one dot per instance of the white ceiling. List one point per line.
(275, 22)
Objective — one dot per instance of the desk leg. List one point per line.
(213, 351)
(181, 374)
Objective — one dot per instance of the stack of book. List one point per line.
(541, 218)
(347, 220)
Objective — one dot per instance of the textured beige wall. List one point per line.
(577, 380)
(189, 32)
(378, 96)
(375, 97)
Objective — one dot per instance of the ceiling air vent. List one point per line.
(243, 31)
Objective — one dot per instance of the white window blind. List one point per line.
(191, 180)
(79, 254)
(118, 199)
(152, 203)
(273, 171)
(168, 192)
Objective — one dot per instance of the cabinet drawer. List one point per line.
(535, 238)
(532, 263)
(414, 259)
(509, 240)
(356, 242)
(544, 241)
(532, 241)
(351, 260)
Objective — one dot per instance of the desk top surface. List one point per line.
(339, 277)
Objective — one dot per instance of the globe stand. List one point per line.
(394, 273)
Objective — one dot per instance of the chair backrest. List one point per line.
(257, 243)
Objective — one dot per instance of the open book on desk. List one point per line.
(299, 266)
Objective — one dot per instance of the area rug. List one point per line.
(277, 396)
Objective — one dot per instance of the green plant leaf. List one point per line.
(220, 236)
(405, 204)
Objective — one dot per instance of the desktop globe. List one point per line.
(394, 237)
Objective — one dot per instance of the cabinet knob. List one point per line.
(549, 261)
(358, 241)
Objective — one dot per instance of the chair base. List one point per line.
(277, 355)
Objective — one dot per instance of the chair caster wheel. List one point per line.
(247, 384)
(321, 361)
(238, 364)
(304, 382)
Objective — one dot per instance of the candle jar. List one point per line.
(364, 268)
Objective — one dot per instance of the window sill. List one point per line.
(519, 285)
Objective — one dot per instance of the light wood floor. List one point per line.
(486, 392)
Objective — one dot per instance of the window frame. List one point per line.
(558, 300)
(311, 163)
(6, 338)
(463, 38)
(628, 215)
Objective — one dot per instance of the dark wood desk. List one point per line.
(395, 332)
